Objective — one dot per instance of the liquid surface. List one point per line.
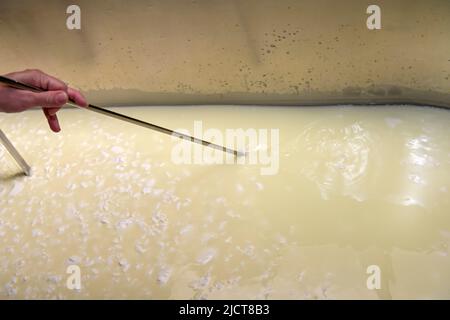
(355, 187)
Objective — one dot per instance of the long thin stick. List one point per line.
(22, 86)
(15, 154)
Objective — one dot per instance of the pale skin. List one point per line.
(56, 95)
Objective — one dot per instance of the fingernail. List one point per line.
(61, 98)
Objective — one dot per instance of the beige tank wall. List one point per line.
(206, 51)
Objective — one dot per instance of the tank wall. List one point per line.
(262, 52)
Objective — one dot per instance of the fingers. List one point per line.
(20, 100)
(39, 79)
(42, 80)
(56, 94)
(52, 119)
(48, 99)
(76, 96)
(50, 111)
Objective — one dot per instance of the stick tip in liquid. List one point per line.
(240, 153)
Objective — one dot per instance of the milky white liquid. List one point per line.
(356, 186)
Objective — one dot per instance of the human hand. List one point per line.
(56, 95)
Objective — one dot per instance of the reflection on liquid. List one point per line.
(337, 157)
(355, 187)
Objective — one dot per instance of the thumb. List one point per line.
(50, 99)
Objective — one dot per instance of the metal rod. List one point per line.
(15, 154)
(22, 86)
